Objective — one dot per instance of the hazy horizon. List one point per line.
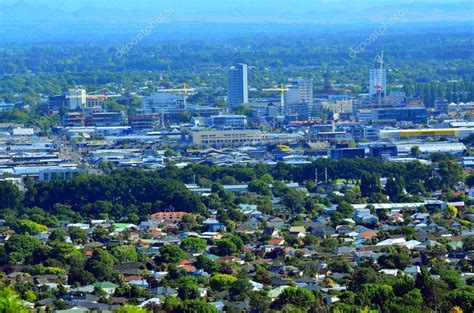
(29, 20)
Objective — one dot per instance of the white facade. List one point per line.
(305, 88)
(77, 98)
(378, 78)
(227, 137)
(159, 102)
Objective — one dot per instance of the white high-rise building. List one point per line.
(77, 98)
(238, 85)
(378, 78)
(302, 94)
(305, 87)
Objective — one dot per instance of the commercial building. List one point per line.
(441, 106)
(229, 121)
(88, 118)
(162, 102)
(338, 106)
(302, 94)
(77, 98)
(425, 133)
(227, 137)
(96, 101)
(416, 115)
(144, 121)
(428, 148)
(238, 85)
(305, 88)
(347, 153)
(383, 151)
(57, 173)
(55, 103)
(378, 79)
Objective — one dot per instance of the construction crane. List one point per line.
(282, 91)
(184, 90)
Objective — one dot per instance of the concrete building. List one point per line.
(378, 78)
(382, 151)
(55, 103)
(350, 153)
(88, 118)
(229, 121)
(144, 121)
(57, 173)
(302, 94)
(305, 88)
(425, 133)
(441, 106)
(162, 102)
(77, 98)
(96, 101)
(227, 137)
(416, 115)
(338, 106)
(238, 92)
(292, 96)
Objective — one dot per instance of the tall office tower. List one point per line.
(378, 79)
(305, 87)
(77, 98)
(238, 85)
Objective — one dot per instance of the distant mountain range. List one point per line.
(59, 19)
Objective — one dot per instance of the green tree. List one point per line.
(10, 301)
(101, 265)
(225, 247)
(240, 289)
(170, 254)
(20, 247)
(125, 254)
(260, 187)
(450, 173)
(188, 288)
(345, 209)
(433, 291)
(58, 234)
(375, 295)
(131, 309)
(415, 151)
(361, 276)
(301, 298)
(206, 264)
(197, 306)
(468, 243)
(394, 188)
(10, 196)
(220, 282)
(193, 245)
(77, 234)
(259, 301)
(463, 297)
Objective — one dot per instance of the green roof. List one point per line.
(212, 256)
(105, 284)
(121, 225)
